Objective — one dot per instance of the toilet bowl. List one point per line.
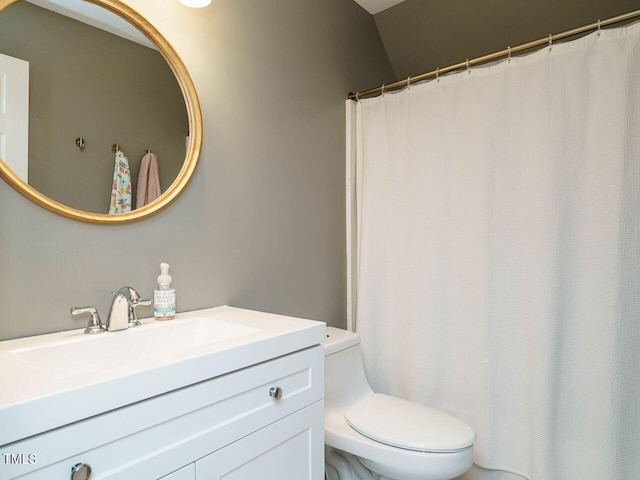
(371, 436)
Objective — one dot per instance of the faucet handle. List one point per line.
(136, 302)
(95, 324)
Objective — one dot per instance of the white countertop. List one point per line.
(37, 399)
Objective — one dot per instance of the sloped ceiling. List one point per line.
(375, 6)
(422, 35)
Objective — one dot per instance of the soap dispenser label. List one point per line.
(164, 303)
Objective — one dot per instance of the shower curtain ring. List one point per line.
(509, 54)
(468, 69)
(357, 96)
(409, 82)
(438, 74)
(550, 41)
(383, 89)
(598, 28)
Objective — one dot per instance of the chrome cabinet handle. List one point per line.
(80, 471)
(275, 393)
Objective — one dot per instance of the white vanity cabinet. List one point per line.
(260, 421)
(233, 422)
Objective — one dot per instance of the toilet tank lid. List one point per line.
(409, 425)
(338, 339)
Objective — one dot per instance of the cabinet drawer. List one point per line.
(157, 436)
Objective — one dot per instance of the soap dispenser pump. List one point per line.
(164, 296)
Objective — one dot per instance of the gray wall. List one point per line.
(422, 35)
(261, 225)
(87, 82)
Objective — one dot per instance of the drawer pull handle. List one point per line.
(80, 471)
(275, 393)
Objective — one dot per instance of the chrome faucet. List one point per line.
(122, 312)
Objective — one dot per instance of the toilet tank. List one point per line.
(345, 381)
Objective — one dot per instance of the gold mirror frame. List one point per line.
(194, 116)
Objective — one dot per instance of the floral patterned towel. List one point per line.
(121, 189)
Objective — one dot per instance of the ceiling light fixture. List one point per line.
(195, 3)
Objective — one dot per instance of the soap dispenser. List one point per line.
(164, 296)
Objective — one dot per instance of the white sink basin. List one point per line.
(85, 354)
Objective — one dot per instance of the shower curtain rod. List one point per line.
(507, 52)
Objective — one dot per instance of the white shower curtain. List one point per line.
(498, 259)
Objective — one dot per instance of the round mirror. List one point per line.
(97, 111)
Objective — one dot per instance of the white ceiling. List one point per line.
(96, 17)
(375, 6)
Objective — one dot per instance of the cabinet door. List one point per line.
(186, 473)
(289, 449)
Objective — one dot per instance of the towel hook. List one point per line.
(80, 143)
(115, 148)
(147, 151)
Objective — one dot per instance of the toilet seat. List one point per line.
(408, 425)
(390, 461)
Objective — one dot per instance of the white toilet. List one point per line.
(371, 436)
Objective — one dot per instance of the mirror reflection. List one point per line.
(92, 85)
